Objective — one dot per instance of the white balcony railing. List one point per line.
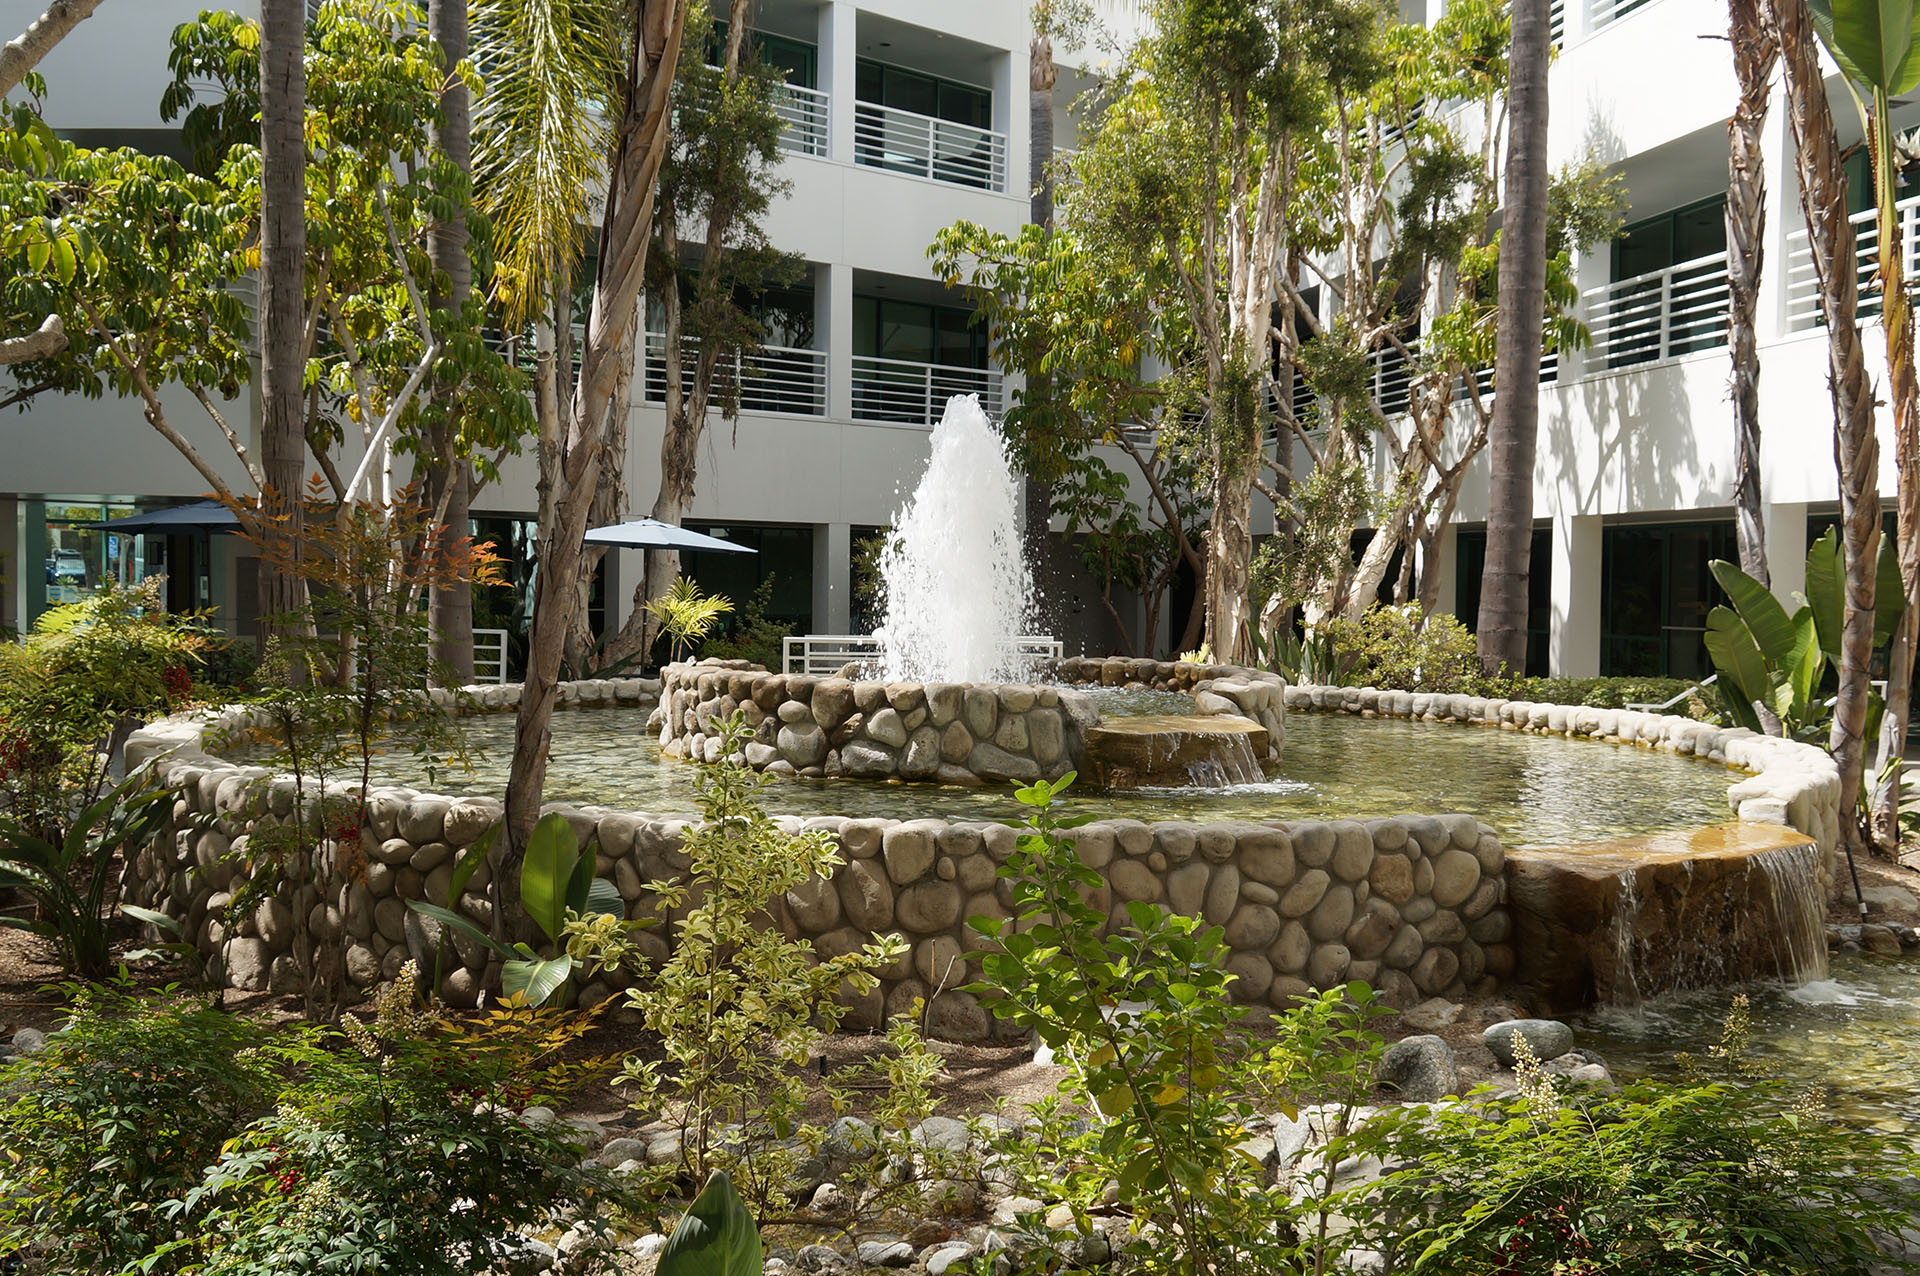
(1557, 23)
(827, 654)
(489, 655)
(1803, 289)
(916, 393)
(771, 379)
(907, 142)
(1601, 12)
(1659, 315)
(804, 112)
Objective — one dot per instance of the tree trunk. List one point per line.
(1823, 202)
(1754, 56)
(22, 53)
(625, 229)
(450, 602)
(1041, 77)
(1896, 317)
(283, 285)
(1516, 404)
(1230, 537)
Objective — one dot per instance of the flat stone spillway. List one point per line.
(1175, 749)
(1619, 921)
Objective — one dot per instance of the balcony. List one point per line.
(1602, 12)
(803, 112)
(1662, 314)
(774, 379)
(1803, 288)
(922, 146)
(909, 393)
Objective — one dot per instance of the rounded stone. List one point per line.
(832, 702)
(866, 894)
(1094, 844)
(815, 905)
(1481, 902)
(1434, 973)
(928, 907)
(1391, 877)
(1423, 877)
(1352, 851)
(940, 962)
(1373, 930)
(1491, 929)
(1404, 949)
(1313, 844)
(1290, 952)
(1333, 914)
(1549, 1039)
(885, 726)
(1253, 927)
(1266, 855)
(1252, 977)
(802, 745)
(1328, 965)
(1132, 879)
(1304, 895)
(1444, 927)
(1455, 875)
(908, 851)
(956, 1016)
(1174, 839)
(1187, 889)
(956, 742)
(1388, 835)
(980, 709)
(973, 872)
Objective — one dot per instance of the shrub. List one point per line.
(1617, 693)
(1403, 649)
(1716, 1176)
(752, 636)
(399, 1149)
(120, 1113)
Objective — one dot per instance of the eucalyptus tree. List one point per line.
(1856, 449)
(283, 308)
(1502, 629)
(555, 66)
(709, 270)
(1754, 57)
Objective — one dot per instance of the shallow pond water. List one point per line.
(1855, 1034)
(1535, 790)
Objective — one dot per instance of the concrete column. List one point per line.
(1446, 561)
(619, 587)
(1010, 112)
(13, 565)
(837, 51)
(836, 290)
(1573, 640)
(1785, 524)
(832, 577)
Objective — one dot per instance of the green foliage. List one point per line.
(1767, 657)
(754, 636)
(119, 1114)
(398, 1147)
(1143, 1011)
(1719, 1174)
(1618, 693)
(715, 1237)
(1406, 650)
(68, 880)
(740, 1009)
(686, 615)
(560, 893)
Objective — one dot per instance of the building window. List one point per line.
(884, 84)
(918, 332)
(1671, 308)
(1657, 591)
(777, 580)
(1470, 561)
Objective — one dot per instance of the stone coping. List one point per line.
(1793, 783)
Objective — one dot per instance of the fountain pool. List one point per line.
(1535, 790)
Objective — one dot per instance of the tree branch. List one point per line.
(22, 53)
(49, 339)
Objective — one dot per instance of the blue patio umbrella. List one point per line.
(651, 533)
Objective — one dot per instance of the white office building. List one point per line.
(905, 115)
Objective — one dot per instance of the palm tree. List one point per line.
(1754, 56)
(450, 604)
(1516, 404)
(1875, 47)
(1823, 202)
(283, 286)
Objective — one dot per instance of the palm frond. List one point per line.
(549, 69)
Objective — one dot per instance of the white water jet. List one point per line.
(958, 590)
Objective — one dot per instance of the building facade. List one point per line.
(903, 116)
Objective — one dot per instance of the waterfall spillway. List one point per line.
(958, 590)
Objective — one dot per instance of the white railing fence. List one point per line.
(1601, 12)
(804, 112)
(1803, 287)
(771, 379)
(1659, 315)
(908, 142)
(910, 393)
(489, 655)
(819, 654)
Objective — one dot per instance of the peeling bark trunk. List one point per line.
(22, 53)
(449, 479)
(283, 281)
(621, 263)
(1823, 202)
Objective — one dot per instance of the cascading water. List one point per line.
(958, 589)
(1799, 912)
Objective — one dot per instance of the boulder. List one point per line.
(1549, 1039)
(1421, 1068)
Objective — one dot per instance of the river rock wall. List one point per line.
(942, 732)
(1415, 905)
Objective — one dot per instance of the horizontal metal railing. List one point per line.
(771, 378)
(908, 142)
(1659, 315)
(827, 653)
(489, 655)
(804, 112)
(910, 393)
(1803, 287)
(1601, 12)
